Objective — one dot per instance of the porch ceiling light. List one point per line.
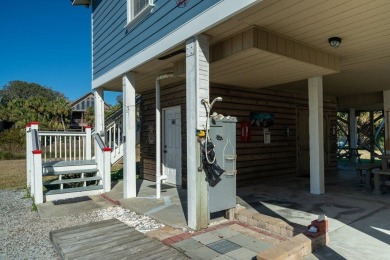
(334, 41)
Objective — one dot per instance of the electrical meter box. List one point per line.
(222, 133)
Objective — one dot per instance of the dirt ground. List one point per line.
(13, 174)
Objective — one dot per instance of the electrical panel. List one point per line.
(222, 133)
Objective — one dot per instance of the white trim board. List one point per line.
(210, 17)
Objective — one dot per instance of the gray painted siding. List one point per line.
(113, 44)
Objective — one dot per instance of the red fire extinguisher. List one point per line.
(245, 131)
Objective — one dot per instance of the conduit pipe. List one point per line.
(159, 177)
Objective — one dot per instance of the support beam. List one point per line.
(386, 109)
(316, 132)
(129, 132)
(197, 87)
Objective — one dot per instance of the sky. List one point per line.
(48, 43)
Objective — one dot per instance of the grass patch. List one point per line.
(34, 207)
(12, 155)
(117, 171)
(13, 174)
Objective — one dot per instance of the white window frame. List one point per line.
(133, 19)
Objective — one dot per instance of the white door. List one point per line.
(172, 145)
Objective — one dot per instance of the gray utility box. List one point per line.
(222, 133)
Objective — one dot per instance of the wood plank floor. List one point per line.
(109, 239)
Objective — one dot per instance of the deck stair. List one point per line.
(74, 179)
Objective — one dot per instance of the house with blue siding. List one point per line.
(295, 63)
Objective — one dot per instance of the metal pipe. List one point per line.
(159, 177)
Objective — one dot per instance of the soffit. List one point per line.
(364, 27)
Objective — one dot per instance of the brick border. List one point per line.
(275, 226)
(294, 247)
(113, 201)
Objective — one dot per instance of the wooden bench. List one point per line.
(379, 179)
(363, 174)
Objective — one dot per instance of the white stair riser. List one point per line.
(73, 195)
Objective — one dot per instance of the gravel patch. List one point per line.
(24, 235)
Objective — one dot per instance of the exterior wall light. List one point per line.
(334, 41)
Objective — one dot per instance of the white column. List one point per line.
(158, 140)
(316, 132)
(99, 128)
(129, 132)
(99, 112)
(197, 87)
(386, 109)
(352, 128)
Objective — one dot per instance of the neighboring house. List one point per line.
(79, 107)
(300, 61)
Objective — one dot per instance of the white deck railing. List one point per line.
(114, 139)
(66, 145)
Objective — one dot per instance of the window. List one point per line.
(137, 9)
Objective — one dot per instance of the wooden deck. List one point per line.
(109, 239)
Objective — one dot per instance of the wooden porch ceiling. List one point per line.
(364, 27)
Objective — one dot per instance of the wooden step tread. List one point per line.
(78, 189)
(53, 173)
(95, 178)
(109, 239)
(68, 163)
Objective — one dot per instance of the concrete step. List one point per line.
(63, 181)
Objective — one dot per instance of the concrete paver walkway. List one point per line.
(229, 240)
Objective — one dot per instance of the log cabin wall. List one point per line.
(255, 160)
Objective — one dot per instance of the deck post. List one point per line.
(34, 126)
(88, 143)
(28, 155)
(129, 132)
(38, 187)
(386, 109)
(197, 88)
(316, 132)
(106, 169)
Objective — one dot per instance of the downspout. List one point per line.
(159, 177)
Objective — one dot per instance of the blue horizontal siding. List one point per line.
(113, 44)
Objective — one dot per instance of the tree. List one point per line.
(24, 102)
(21, 89)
